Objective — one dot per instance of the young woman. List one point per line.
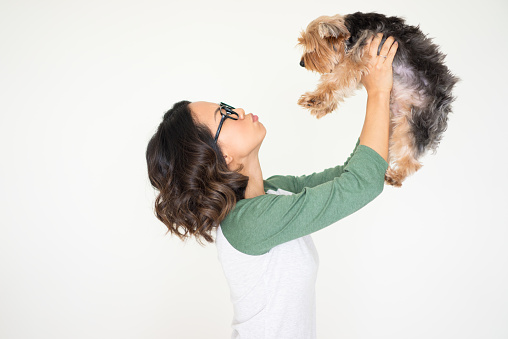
(204, 161)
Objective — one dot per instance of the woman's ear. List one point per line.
(228, 159)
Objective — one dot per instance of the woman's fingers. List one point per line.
(387, 52)
(386, 46)
(374, 44)
(391, 53)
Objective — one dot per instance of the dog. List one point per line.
(421, 94)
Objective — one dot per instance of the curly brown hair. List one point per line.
(196, 188)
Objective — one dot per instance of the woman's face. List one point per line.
(237, 138)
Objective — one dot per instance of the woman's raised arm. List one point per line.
(378, 83)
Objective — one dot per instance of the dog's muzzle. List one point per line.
(302, 63)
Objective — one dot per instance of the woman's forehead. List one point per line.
(203, 110)
(204, 106)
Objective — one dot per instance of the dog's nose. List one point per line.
(302, 63)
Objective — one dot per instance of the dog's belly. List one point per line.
(408, 74)
(404, 93)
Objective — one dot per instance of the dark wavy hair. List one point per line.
(196, 188)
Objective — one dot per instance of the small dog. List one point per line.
(421, 94)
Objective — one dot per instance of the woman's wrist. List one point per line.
(381, 94)
(380, 101)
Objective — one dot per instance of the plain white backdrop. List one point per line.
(83, 86)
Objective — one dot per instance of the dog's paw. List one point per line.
(310, 100)
(393, 178)
(318, 106)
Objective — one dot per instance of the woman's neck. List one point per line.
(255, 186)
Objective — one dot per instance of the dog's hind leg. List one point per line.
(406, 102)
(402, 152)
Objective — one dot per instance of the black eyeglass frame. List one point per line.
(228, 114)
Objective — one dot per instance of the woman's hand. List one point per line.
(380, 76)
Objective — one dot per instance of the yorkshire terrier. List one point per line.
(421, 95)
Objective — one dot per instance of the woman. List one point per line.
(204, 161)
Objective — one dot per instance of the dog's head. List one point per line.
(324, 43)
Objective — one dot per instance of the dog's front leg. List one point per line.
(321, 101)
(333, 88)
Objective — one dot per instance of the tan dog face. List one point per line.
(323, 43)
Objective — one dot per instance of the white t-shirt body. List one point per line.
(273, 294)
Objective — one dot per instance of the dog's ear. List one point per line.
(333, 29)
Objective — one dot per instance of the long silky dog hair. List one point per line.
(422, 84)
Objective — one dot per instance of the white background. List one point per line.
(83, 86)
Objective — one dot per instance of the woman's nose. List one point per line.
(241, 113)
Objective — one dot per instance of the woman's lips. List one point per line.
(254, 118)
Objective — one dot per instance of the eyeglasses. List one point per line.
(227, 112)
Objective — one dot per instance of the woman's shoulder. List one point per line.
(246, 210)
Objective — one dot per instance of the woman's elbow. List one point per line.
(373, 187)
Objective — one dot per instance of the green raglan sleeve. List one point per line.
(256, 225)
(295, 184)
